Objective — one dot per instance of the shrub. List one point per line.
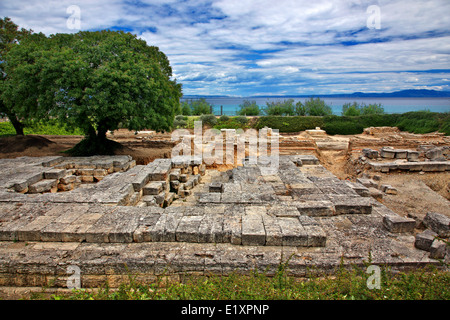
(224, 118)
(241, 120)
(249, 108)
(317, 107)
(280, 108)
(186, 109)
(208, 119)
(289, 124)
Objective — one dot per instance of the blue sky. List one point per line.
(266, 47)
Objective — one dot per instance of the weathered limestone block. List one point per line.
(170, 196)
(425, 239)
(162, 169)
(54, 174)
(398, 224)
(358, 188)
(273, 231)
(367, 182)
(308, 159)
(68, 179)
(438, 249)
(174, 174)
(387, 153)
(293, 233)
(388, 189)
(66, 187)
(345, 205)
(316, 208)
(316, 236)
(253, 232)
(412, 156)
(401, 154)
(375, 193)
(183, 178)
(434, 154)
(187, 230)
(437, 222)
(45, 185)
(153, 188)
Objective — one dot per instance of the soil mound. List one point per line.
(22, 143)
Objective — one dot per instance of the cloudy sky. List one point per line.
(268, 47)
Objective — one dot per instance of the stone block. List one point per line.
(316, 208)
(375, 193)
(66, 187)
(367, 182)
(187, 230)
(412, 156)
(67, 179)
(398, 224)
(292, 232)
(216, 187)
(438, 249)
(401, 154)
(184, 177)
(45, 185)
(308, 159)
(425, 239)
(174, 174)
(439, 223)
(434, 154)
(170, 196)
(153, 188)
(345, 205)
(387, 153)
(253, 232)
(54, 174)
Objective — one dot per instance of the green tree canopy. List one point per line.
(249, 108)
(317, 107)
(100, 81)
(10, 37)
(356, 109)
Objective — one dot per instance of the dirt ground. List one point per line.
(418, 192)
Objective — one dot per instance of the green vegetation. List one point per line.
(249, 108)
(314, 107)
(48, 127)
(289, 124)
(414, 122)
(345, 284)
(355, 109)
(195, 107)
(95, 81)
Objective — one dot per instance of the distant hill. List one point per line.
(412, 93)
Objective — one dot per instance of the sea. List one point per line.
(230, 105)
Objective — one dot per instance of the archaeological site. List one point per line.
(381, 197)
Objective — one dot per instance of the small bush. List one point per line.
(289, 124)
(224, 118)
(249, 108)
(208, 119)
(241, 120)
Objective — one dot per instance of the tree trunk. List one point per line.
(18, 126)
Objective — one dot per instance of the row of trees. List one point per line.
(97, 81)
(311, 107)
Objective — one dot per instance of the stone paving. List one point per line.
(182, 217)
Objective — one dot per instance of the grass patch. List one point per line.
(48, 127)
(346, 284)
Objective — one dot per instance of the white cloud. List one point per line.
(237, 46)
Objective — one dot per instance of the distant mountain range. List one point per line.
(412, 93)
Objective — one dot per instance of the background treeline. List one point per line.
(414, 122)
(287, 116)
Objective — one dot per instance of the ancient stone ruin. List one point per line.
(102, 213)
